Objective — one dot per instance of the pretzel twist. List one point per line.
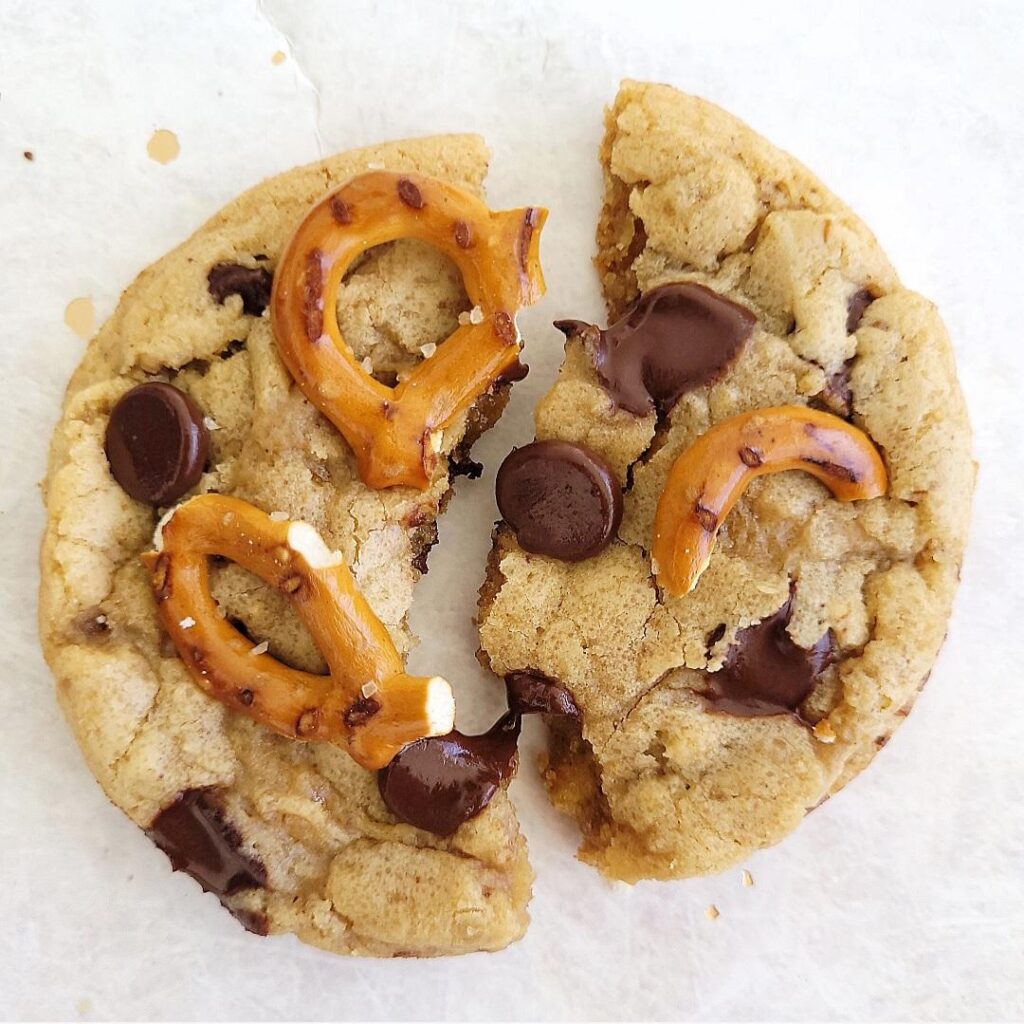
(395, 432)
(366, 704)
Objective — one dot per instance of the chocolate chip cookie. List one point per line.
(783, 422)
(185, 425)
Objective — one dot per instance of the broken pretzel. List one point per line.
(367, 703)
(708, 478)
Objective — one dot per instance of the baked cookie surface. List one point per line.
(664, 778)
(293, 837)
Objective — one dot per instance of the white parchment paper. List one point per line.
(902, 897)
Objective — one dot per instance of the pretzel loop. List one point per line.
(367, 703)
(395, 432)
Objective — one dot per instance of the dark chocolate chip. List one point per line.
(252, 283)
(199, 840)
(533, 693)
(561, 499)
(156, 443)
(858, 302)
(439, 782)
(765, 672)
(675, 338)
(410, 194)
(29, 155)
(463, 234)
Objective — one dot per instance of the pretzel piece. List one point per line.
(396, 432)
(707, 479)
(366, 704)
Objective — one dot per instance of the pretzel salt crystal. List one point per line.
(367, 704)
(708, 478)
(395, 432)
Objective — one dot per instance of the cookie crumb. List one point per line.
(278, 57)
(748, 879)
(210, 423)
(367, 365)
(428, 350)
(260, 648)
(823, 732)
(187, 623)
(369, 689)
(712, 913)
(279, 516)
(163, 146)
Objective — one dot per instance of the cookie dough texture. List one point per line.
(660, 787)
(341, 873)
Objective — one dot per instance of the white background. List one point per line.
(900, 898)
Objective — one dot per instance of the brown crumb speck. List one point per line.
(751, 457)
(361, 711)
(707, 519)
(29, 155)
(410, 194)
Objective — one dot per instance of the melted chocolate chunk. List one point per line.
(439, 782)
(252, 283)
(516, 372)
(673, 339)
(199, 841)
(765, 672)
(156, 443)
(561, 499)
(836, 397)
(533, 693)
(859, 301)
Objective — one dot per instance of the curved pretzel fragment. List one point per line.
(707, 479)
(366, 704)
(395, 431)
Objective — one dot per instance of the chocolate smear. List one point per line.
(533, 693)
(673, 339)
(199, 840)
(765, 672)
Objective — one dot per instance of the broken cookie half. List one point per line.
(734, 546)
(273, 417)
